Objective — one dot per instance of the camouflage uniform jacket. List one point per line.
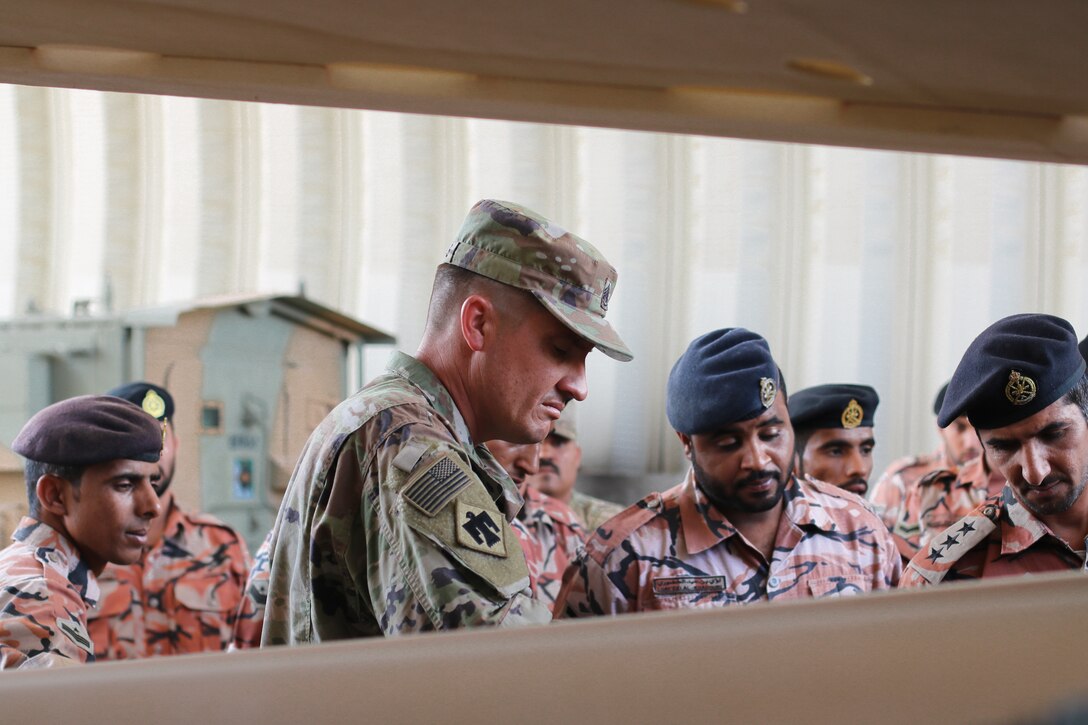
(249, 620)
(675, 550)
(890, 494)
(45, 590)
(941, 498)
(558, 537)
(592, 512)
(998, 538)
(180, 598)
(395, 522)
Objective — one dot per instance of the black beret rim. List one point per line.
(1018, 414)
(813, 416)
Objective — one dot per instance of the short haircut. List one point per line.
(800, 439)
(453, 284)
(1078, 396)
(36, 469)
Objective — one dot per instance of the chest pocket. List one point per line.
(203, 617)
(839, 586)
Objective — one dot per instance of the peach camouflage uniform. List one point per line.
(181, 598)
(1012, 385)
(557, 540)
(941, 498)
(676, 550)
(889, 497)
(998, 538)
(45, 591)
(47, 575)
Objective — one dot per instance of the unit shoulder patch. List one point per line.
(77, 633)
(432, 488)
(477, 529)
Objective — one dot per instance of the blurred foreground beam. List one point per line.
(990, 652)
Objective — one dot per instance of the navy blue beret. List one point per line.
(1084, 348)
(1018, 366)
(839, 405)
(724, 377)
(939, 400)
(150, 397)
(90, 429)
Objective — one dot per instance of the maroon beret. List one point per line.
(90, 429)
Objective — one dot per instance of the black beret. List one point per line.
(1084, 348)
(153, 399)
(724, 377)
(1018, 366)
(90, 429)
(939, 400)
(833, 406)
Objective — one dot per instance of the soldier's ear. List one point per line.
(686, 442)
(52, 492)
(477, 321)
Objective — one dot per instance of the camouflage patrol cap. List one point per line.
(90, 429)
(513, 245)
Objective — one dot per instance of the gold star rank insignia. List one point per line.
(767, 391)
(1020, 389)
(153, 404)
(852, 415)
(480, 530)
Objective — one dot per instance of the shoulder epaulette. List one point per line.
(609, 534)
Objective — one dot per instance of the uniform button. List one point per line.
(773, 581)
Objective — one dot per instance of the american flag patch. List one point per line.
(437, 485)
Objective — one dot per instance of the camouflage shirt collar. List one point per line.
(432, 388)
(1019, 528)
(803, 510)
(54, 550)
(705, 526)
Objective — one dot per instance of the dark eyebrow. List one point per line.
(1054, 427)
(775, 420)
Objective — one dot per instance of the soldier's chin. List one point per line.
(856, 487)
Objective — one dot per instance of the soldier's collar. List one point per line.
(802, 510)
(1021, 529)
(704, 525)
(53, 549)
(432, 388)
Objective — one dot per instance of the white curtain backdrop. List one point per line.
(858, 266)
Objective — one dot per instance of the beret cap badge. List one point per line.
(852, 415)
(153, 404)
(1020, 389)
(767, 391)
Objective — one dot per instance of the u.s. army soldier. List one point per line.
(397, 518)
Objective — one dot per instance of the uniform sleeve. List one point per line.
(38, 628)
(892, 562)
(439, 555)
(589, 591)
(888, 497)
(249, 619)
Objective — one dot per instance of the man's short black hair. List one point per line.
(1078, 396)
(36, 469)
